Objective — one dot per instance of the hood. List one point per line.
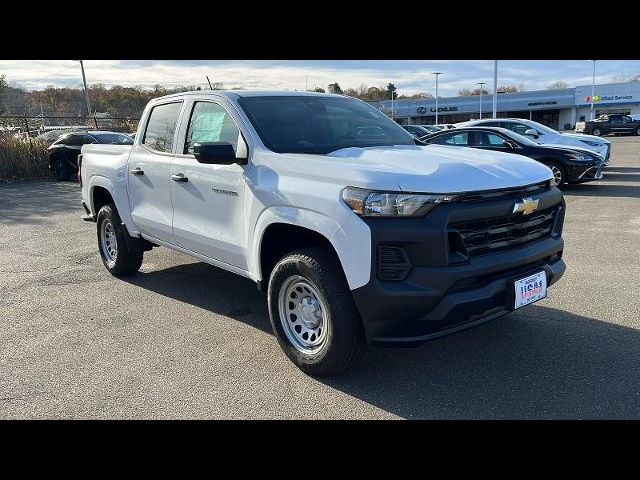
(431, 168)
(566, 139)
(572, 148)
(590, 138)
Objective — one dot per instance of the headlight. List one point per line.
(369, 203)
(581, 157)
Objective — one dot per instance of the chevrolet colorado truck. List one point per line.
(358, 233)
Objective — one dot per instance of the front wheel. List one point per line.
(597, 132)
(116, 256)
(638, 131)
(559, 176)
(313, 314)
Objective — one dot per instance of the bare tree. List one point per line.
(3, 89)
(558, 85)
(625, 79)
(510, 88)
(465, 92)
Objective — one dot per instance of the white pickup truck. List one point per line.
(359, 233)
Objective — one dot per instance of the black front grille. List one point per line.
(501, 233)
(506, 193)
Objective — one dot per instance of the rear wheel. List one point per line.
(638, 131)
(116, 255)
(312, 312)
(60, 169)
(559, 177)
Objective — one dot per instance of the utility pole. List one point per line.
(482, 84)
(495, 89)
(86, 92)
(437, 74)
(593, 88)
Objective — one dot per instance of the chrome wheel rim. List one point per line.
(557, 175)
(303, 314)
(108, 243)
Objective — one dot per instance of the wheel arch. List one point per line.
(101, 189)
(273, 237)
(280, 238)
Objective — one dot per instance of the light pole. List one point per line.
(593, 88)
(437, 74)
(495, 89)
(482, 84)
(86, 92)
(392, 113)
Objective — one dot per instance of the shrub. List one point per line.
(23, 158)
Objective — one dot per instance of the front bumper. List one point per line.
(438, 296)
(585, 172)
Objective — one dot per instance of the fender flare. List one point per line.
(351, 239)
(120, 199)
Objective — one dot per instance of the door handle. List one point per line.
(137, 171)
(179, 177)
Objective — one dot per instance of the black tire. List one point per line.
(126, 261)
(60, 169)
(344, 342)
(563, 173)
(597, 132)
(638, 131)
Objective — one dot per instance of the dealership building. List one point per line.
(559, 109)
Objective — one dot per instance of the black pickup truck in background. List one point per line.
(610, 125)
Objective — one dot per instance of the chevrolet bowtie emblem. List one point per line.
(526, 207)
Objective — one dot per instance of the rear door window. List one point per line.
(486, 139)
(161, 127)
(452, 139)
(516, 127)
(74, 140)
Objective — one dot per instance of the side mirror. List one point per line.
(532, 132)
(221, 153)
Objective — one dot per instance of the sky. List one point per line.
(409, 76)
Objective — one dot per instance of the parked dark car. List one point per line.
(568, 164)
(63, 153)
(610, 125)
(420, 130)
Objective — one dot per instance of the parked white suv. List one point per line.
(545, 135)
(358, 234)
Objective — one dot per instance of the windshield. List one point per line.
(320, 125)
(113, 138)
(520, 138)
(541, 128)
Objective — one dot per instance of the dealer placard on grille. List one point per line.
(530, 289)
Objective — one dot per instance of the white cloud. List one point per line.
(409, 76)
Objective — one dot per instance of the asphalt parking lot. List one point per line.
(183, 339)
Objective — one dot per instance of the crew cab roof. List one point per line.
(234, 94)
